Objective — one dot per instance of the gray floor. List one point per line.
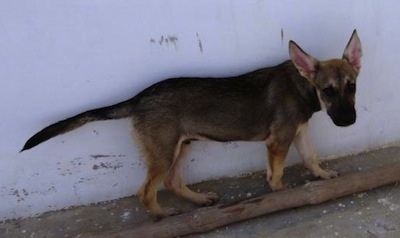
(373, 213)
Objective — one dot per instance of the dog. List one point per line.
(271, 104)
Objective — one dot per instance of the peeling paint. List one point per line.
(82, 180)
(166, 40)
(44, 192)
(20, 194)
(107, 165)
(200, 44)
(107, 156)
(73, 167)
(76, 161)
(160, 42)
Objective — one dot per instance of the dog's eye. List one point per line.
(329, 91)
(351, 87)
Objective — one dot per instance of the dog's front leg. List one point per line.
(304, 146)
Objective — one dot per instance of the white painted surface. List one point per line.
(58, 58)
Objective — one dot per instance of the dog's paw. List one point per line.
(166, 212)
(209, 199)
(279, 186)
(328, 174)
(276, 184)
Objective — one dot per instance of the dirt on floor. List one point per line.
(374, 213)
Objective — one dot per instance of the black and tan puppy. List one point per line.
(270, 104)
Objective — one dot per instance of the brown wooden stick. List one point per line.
(206, 219)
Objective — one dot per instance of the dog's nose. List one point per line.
(345, 121)
(345, 117)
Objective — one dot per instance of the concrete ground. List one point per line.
(374, 213)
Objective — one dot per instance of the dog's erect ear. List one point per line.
(353, 52)
(305, 64)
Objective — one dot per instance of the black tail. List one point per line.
(117, 111)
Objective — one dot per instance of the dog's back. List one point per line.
(227, 109)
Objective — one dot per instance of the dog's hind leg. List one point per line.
(175, 182)
(158, 157)
(276, 160)
(157, 170)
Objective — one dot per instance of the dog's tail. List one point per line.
(117, 111)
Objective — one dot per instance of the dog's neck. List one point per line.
(304, 89)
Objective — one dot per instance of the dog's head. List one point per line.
(334, 80)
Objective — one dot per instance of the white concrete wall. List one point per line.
(61, 57)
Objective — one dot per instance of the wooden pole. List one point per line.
(208, 218)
